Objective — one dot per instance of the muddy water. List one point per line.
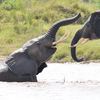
(67, 81)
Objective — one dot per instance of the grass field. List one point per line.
(23, 20)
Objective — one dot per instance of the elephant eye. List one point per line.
(38, 43)
(97, 18)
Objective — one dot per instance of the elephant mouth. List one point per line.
(81, 42)
(93, 36)
(61, 40)
(53, 47)
(85, 40)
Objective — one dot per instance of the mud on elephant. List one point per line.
(28, 61)
(89, 31)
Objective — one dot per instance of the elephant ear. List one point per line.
(22, 64)
(41, 67)
(94, 17)
(94, 20)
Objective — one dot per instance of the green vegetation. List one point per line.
(21, 20)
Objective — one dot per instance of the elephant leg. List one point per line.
(8, 76)
(41, 67)
(33, 78)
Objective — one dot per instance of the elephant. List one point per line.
(89, 31)
(27, 62)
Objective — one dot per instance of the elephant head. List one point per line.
(31, 57)
(89, 31)
(43, 47)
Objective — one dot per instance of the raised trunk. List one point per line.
(76, 38)
(52, 31)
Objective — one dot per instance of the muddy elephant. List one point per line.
(89, 31)
(28, 61)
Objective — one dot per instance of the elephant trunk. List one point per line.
(53, 30)
(75, 40)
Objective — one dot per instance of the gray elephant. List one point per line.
(89, 31)
(28, 61)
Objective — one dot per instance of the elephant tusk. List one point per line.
(81, 41)
(62, 39)
(85, 41)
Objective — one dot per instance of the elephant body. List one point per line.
(28, 61)
(8, 76)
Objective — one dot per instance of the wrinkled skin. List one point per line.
(90, 31)
(28, 61)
